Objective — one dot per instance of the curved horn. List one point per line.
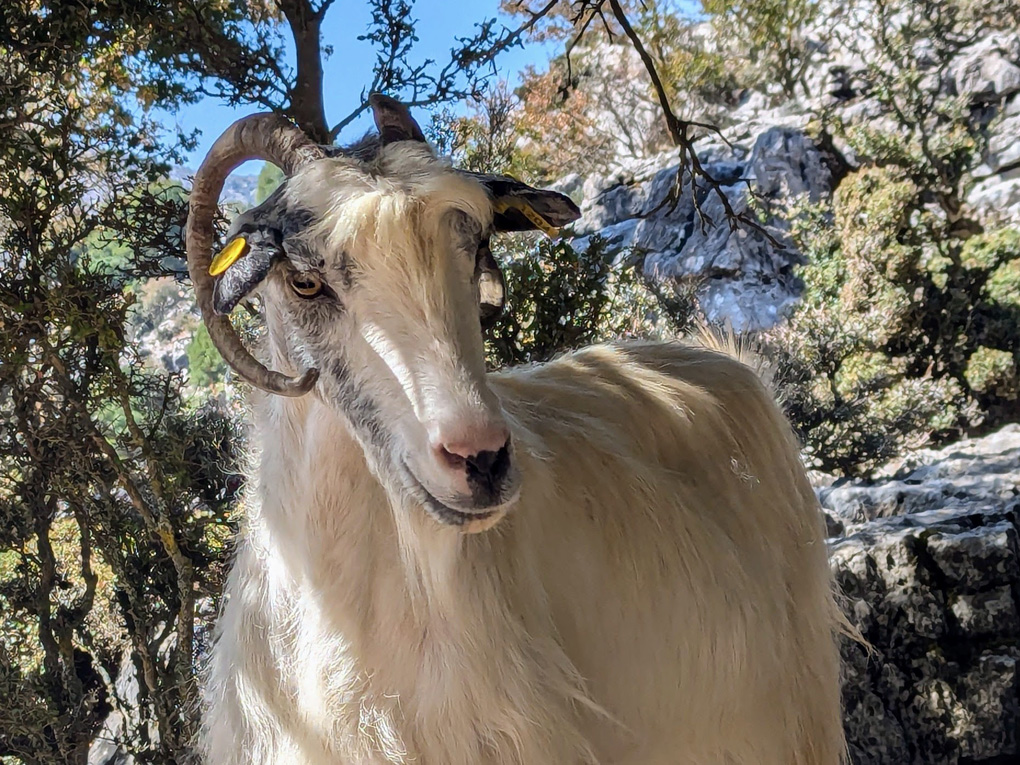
(268, 137)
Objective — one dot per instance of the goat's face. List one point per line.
(376, 271)
(379, 291)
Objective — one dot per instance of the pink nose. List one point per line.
(470, 446)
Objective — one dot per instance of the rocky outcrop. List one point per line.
(927, 562)
(997, 190)
(987, 71)
(743, 276)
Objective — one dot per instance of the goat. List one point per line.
(613, 558)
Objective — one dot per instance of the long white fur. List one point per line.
(658, 594)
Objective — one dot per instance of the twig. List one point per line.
(442, 84)
(679, 131)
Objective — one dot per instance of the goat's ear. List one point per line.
(520, 207)
(254, 243)
(242, 265)
(394, 120)
(491, 287)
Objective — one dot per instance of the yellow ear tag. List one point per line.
(228, 256)
(502, 205)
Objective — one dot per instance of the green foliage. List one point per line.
(561, 298)
(699, 74)
(114, 525)
(904, 334)
(205, 365)
(114, 494)
(772, 36)
(909, 328)
(487, 138)
(143, 235)
(270, 177)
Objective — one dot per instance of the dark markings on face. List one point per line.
(361, 411)
(303, 255)
(295, 221)
(366, 422)
(465, 231)
(317, 315)
(343, 273)
(364, 418)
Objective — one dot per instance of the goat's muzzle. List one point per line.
(469, 479)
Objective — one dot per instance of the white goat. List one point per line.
(651, 585)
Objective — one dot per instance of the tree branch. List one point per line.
(306, 104)
(679, 132)
(468, 59)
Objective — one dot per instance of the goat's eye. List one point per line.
(306, 285)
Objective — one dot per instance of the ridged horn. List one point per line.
(268, 137)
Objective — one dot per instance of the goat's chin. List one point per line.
(464, 514)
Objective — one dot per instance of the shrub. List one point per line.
(909, 326)
(559, 298)
(773, 37)
(205, 365)
(903, 334)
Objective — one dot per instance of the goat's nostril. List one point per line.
(487, 464)
(490, 465)
(451, 459)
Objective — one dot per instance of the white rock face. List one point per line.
(743, 278)
(989, 70)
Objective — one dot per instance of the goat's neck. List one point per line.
(393, 603)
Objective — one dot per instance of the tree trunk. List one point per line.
(306, 107)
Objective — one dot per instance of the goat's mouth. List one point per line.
(468, 521)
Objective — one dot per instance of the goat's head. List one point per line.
(375, 274)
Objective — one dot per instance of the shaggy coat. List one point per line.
(657, 595)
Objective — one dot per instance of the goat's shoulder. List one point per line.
(616, 372)
(641, 399)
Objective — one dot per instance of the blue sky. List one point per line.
(349, 69)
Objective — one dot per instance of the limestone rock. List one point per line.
(633, 189)
(998, 195)
(974, 559)
(745, 278)
(931, 581)
(980, 471)
(787, 163)
(988, 70)
(1003, 151)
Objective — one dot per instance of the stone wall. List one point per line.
(927, 560)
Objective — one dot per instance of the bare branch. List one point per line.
(473, 56)
(679, 131)
(321, 11)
